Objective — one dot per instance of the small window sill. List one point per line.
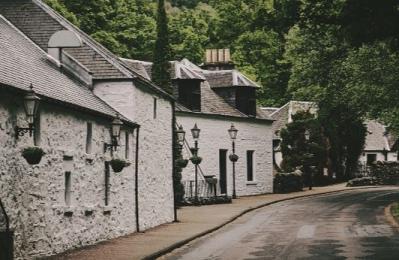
(108, 209)
(252, 183)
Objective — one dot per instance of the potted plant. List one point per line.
(118, 164)
(233, 157)
(182, 163)
(196, 160)
(33, 155)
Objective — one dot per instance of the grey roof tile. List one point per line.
(228, 78)
(23, 63)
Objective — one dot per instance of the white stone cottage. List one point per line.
(72, 198)
(381, 144)
(215, 97)
(105, 80)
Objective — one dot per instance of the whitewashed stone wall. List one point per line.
(155, 154)
(252, 135)
(34, 195)
(391, 156)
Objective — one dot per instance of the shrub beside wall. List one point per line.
(287, 182)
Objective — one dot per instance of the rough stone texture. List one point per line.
(254, 136)
(155, 152)
(34, 195)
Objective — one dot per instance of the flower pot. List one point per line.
(182, 163)
(117, 165)
(33, 155)
(196, 160)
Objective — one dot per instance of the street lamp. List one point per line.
(307, 138)
(233, 157)
(116, 126)
(31, 105)
(195, 133)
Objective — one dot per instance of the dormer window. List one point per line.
(246, 100)
(190, 94)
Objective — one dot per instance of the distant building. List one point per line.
(381, 144)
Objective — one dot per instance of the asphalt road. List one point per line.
(348, 225)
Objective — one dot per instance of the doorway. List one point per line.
(223, 171)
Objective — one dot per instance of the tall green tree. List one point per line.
(161, 65)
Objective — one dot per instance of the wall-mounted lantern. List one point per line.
(116, 126)
(180, 135)
(31, 105)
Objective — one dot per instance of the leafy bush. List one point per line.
(207, 201)
(181, 163)
(363, 181)
(287, 182)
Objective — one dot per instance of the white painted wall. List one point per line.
(155, 154)
(34, 195)
(392, 156)
(214, 136)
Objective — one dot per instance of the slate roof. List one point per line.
(211, 103)
(39, 22)
(228, 78)
(23, 63)
(378, 138)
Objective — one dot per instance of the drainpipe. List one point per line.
(136, 181)
(173, 159)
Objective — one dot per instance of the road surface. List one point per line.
(346, 225)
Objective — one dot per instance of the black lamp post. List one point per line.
(307, 138)
(195, 133)
(31, 105)
(116, 126)
(233, 157)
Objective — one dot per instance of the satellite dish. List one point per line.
(65, 39)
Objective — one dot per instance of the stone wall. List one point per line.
(34, 196)
(254, 136)
(155, 152)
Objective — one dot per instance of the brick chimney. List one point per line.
(218, 59)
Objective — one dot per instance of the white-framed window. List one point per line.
(250, 166)
(89, 137)
(67, 188)
(155, 107)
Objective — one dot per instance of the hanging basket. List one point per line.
(33, 155)
(118, 165)
(233, 157)
(196, 160)
(182, 163)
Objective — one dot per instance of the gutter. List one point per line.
(201, 114)
(173, 160)
(136, 181)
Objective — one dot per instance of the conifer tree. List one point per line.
(161, 67)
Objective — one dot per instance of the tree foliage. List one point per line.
(341, 54)
(161, 66)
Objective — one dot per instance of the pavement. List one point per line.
(345, 225)
(194, 222)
